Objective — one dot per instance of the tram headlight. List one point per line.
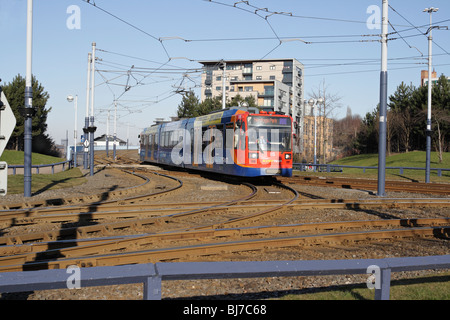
(253, 156)
(287, 156)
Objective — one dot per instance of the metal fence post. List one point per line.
(384, 292)
(152, 288)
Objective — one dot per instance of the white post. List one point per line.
(383, 104)
(28, 105)
(223, 85)
(86, 119)
(430, 85)
(75, 133)
(92, 128)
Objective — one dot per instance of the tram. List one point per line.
(233, 141)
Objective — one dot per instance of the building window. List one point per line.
(258, 68)
(268, 102)
(248, 88)
(258, 78)
(272, 67)
(272, 77)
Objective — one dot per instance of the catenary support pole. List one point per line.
(28, 110)
(92, 128)
(383, 103)
(115, 124)
(86, 119)
(430, 85)
(224, 96)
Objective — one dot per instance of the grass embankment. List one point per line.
(411, 159)
(40, 182)
(426, 288)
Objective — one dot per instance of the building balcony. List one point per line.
(266, 94)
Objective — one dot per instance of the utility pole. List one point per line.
(223, 84)
(92, 128)
(86, 119)
(383, 103)
(107, 135)
(430, 85)
(28, 111)
(115, 123)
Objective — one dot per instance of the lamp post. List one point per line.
(430, 84)
(313, 103)
(70, 99)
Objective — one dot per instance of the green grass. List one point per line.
(40, 182)
(435, 287)
(43, 182)
(16, 157)
(410, 159)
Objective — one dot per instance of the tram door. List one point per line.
(239, 142)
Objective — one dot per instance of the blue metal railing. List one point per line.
(151, 275)
(68, 163)
(339, 168)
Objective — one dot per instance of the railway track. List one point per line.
(122, 250)
(98, 231)
(365, 184)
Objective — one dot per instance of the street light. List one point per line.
(70, 99)
(313, 103)
(428, 150)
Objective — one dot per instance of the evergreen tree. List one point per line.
(15, 93)
(189, 106)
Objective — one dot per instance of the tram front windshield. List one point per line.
(269, 133)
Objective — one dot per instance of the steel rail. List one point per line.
(203, 250)
(144, 220)
(28, 207)
(71, 207)
(50, 250)
(353, 183)
(83, 231)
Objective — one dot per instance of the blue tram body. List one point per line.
(231, 141)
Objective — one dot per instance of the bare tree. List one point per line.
(441, 117)
(331, 102)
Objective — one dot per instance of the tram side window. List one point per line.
(166, 139)
(156, 140)
(152, 139)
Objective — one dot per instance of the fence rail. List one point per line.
(37, 167)
(152, 275)
(339, 168)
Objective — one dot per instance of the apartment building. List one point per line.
(276, 85)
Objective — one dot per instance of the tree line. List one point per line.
(191, 106)
(15, 94)
(406, 122)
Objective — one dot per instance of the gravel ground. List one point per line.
(196, 189)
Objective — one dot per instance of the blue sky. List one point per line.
(173, 35)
